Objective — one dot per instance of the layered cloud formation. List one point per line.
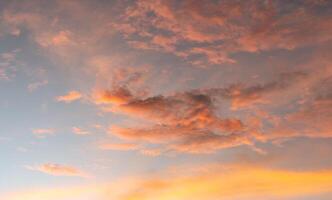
(188, 121)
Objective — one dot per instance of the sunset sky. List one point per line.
(166, 100)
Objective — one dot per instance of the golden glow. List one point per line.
(225, 183)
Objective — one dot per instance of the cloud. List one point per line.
(79, 131)
(312, 118)
(35, 85)
(116, 96)
(186, 29)
(191, 121)
(188, 109)
(8, 64)
(43, 132)
(58, 170)
(210, 142)
(59, 39)
(187, 119)
(243, 96)
(69, 97)
(156, 134)
(55, 39)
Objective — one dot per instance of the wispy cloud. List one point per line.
(69, 97)
(58, 170)
(42, 132)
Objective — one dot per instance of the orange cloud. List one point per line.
(228, 27)
(187, 121)
(116, 96)
(192, 109)
(156, 134)
(69, 97)
(58, 170)
(188, 116)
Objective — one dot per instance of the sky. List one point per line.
(165, 100)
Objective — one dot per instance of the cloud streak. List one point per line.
(69, 97)
(58, 170)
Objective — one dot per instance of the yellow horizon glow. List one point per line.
(233, 183)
